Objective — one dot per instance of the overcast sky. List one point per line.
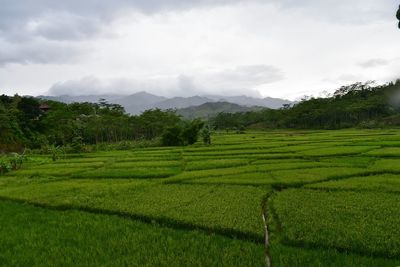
(278, 48)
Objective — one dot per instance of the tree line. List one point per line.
(35, 123)
(359, 104)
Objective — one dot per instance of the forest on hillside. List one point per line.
(356, 105)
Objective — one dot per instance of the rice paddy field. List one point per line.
(291, 198)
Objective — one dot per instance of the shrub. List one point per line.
(4, 166)
(12, 162)
(182, 134)
(56, 152)
(77, 144)
(172, 136)
(206, 135)
(190, 132)
(17, 160)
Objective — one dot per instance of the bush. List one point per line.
(17, 160)
(190, 132)
(77, 144)
(240, 130)
(179, 135)
(56, 152)
(206, 135)
(4, 166)
(12, 162)
(172, 136)
(372, 124)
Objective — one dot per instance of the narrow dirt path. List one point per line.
(265, 217)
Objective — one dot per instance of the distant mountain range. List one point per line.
(139, 102)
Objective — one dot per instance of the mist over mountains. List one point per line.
(141, 101)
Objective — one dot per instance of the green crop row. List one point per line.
(367, 222)
(38, 237)
(215, 164)
(336, 200)
(378, 183)
(226, 208)
(128, 173)
(284, 177)
(338, 151)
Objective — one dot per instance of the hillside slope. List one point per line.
(211, 109)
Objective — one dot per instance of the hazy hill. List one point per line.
(211, 109)
(268, 102)
(141, 101)
(182, 102)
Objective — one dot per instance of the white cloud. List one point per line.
(229, 82)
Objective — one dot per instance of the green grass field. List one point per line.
(331, 198)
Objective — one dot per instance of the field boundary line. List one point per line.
(172, 180)
(266, 217)
(344, 177)
(316, 246)
(212, 184)
(325, 189)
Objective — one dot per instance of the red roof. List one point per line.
(44, 107)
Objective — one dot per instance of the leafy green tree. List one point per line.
(153, 122)
(29, 111)
(172, 136)
(184, 133)
(190, 131)
(206, 135)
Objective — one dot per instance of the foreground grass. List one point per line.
(367, 223)
(38, 237)
(284, 255)
(227, 209)
(334, 202)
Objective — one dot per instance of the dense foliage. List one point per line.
(359, 104)
(26, 121)
(185, 133)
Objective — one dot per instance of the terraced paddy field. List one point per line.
(326, 198)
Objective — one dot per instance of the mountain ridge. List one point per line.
(211, 109)
(141, 101)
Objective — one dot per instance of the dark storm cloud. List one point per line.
(23, 23)
(41, 31)
(57, 19)
(77, 18)
(39, 51)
